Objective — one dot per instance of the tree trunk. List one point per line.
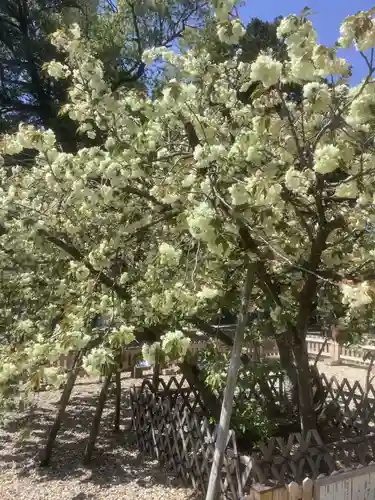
(226, 409)
(209, 400)
(118, 401)
(305, 395)
(287, 363)
(286, 355)
(96, 421)
(156, 376)
(64, 400)
(267, 399)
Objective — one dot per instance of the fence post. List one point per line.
(294, 491)
(337, 350)
(307, 489)
(262, 492)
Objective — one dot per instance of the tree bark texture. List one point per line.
(304, 380)
(209, 400)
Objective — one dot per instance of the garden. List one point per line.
(170, 175)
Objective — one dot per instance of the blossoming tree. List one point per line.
(155, 230)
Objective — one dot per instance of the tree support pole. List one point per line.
(97, 418)
(63, 403)
(234, 365)
(118, 401)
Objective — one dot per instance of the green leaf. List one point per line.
(306, 12)
(258, 91)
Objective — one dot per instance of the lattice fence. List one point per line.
(171, 424)
(293, 459)
(353, 398)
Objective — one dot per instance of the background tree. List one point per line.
(118, 34)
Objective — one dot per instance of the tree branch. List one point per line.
(79, 257)
(191, 135)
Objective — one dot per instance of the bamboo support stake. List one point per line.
(226, 409)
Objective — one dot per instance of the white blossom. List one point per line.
(151, 353)
(207, 293)
(297, 181)
(318, 95)
(287, 26)
(327, 158)
(169, 255)
(58, 70)
(238, 193)
(175, 344)
(356, 296)
(75, 31)
(266, 69)
(96, 360)
(231, 32)
(347, 190)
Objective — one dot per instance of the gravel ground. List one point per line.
(340, 372)
(117, 471)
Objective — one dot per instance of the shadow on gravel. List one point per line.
(116, 459)
(83, 496)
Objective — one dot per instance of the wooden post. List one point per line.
(307, 489)
(337, 350)
(118, 401)
(116, 426)
(263, 492)
(96, 420)
(226, 409)
(137, 372)
(64, 400)
(294, 491)
(156, 376)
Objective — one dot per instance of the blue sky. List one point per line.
(327, 18)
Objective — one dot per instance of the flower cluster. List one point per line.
(266, 70)
(97, 360)
(122, 336)
(356, 296)
(175, 345)
(327, 159)
(152, 353)
(358, 29)
(230, 32)
(169, 255)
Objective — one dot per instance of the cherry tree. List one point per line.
(156, 229)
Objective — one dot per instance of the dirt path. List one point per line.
(116, 473)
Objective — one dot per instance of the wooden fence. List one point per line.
(170, 423)
(353, 484)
